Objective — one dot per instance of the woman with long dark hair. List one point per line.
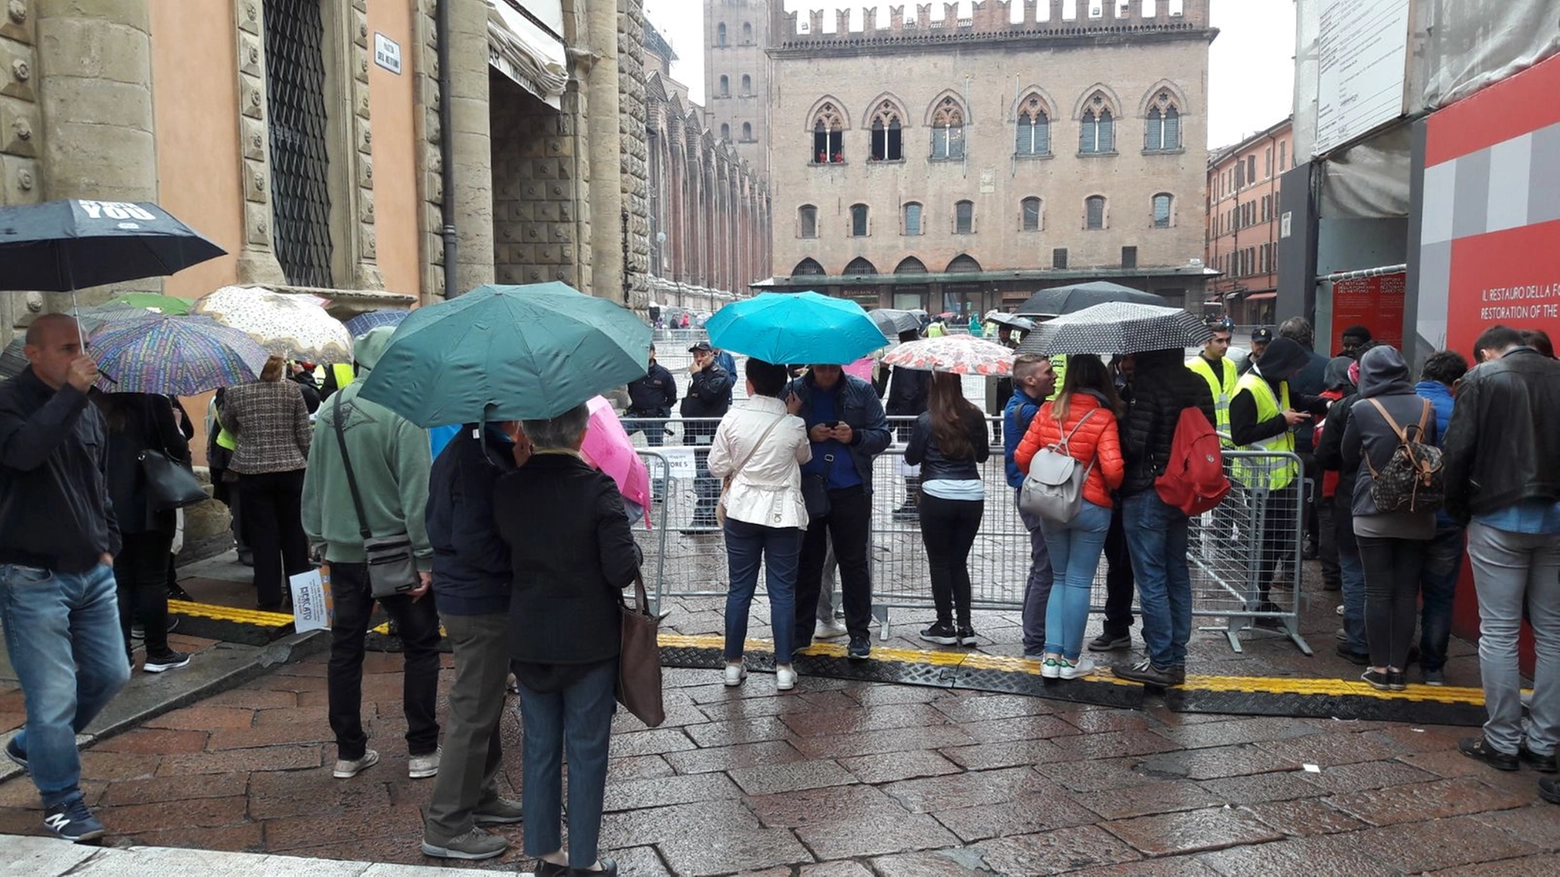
(949, 442)
(1081, 421)
(139, 423)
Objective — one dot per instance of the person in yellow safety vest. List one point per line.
(1213, 366)
(1263, 417)
(338, 376)
(1058, 365)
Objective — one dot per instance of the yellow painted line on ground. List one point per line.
(218, 612)
(1000, 663)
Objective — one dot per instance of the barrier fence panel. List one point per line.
(650, 532)
(1243, 557)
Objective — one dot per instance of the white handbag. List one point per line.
(1053, 489)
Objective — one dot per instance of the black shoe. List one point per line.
(1269, 622)
(941, 633)
(966, 635)
(1549, 789)
(1397, 680)
(1379, 681)
(1353, 657)
(176, 592)
(1107, 642)
(608, 869)
(1479, 749)
(15, 754)
(170, 660)
(545, 868)
(1178, 674)
(1146, 673)
(1540, 763)
(860, 648)
(1310, 552)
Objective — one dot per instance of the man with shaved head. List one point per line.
(58, 539)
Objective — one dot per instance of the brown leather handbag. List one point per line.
(639, 661)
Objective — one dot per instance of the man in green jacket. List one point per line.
(390, 463)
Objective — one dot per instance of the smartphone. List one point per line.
(831, 423)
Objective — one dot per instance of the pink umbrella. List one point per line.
(607, 447)
(861, 368)
(959, 354)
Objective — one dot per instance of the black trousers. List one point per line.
(141, 573)
(1119, 583)
(948, 528)
(273, 527)
(849, 524)
(1277, 548)
(418, 622)
(1392, 569)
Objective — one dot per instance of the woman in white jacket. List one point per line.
(758, 450)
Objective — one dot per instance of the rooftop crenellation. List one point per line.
(987, 17)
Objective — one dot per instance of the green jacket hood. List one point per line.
(370, 346)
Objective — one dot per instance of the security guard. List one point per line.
(1213, 366)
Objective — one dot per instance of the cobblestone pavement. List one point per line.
(847, 778)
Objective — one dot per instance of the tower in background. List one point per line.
(736, 76)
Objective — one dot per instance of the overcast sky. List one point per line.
(1250, 75)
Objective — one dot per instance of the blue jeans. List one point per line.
(1437, 589)
(1157, 542)
(579, 716)
(62, 633)
(780, 549)
(1075, 549)
(1037, 590)
(1352, 572)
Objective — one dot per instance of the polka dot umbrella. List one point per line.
(957, 354)
(292, 326)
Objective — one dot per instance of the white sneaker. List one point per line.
(1051, 667)
(735, 673)
(346, 770)
(829, 630)
(1076, 669)
(785, 677)
(420, 767)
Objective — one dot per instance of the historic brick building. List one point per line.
(961, 164)
(1244, 225)
(736, 76)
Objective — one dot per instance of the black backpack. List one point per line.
(1412, 479)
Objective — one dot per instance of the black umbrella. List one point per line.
(62, 246)
(1077, 296)
(1117, 328)
(893, 321)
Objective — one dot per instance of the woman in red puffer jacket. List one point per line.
(1085, 412)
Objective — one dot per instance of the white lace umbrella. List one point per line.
(293, 326)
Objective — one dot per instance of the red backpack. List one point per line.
(1194, 479)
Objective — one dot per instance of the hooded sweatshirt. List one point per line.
(390, 463)
(1279, 362)
(1369, 438)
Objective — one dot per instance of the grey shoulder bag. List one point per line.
(391, 568)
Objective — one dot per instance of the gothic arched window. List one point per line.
(1162, 127)
(828, 135)
(1034, 128)
(948, 129)
(1097, 129)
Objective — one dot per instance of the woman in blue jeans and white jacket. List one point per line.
(761, 447)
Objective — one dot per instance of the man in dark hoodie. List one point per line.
(1264, 413)
(1310, 380)
(471, 586)
(1157, 532)
(1351, 571)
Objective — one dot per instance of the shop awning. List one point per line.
(525, 44)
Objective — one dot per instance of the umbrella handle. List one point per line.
(107, 377)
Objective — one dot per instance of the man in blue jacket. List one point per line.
(847, 429)
(1444, 554)
(471, 585)
(1034, 380)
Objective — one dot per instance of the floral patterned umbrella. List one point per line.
(959, 354)
(293, 326)
(178, 356)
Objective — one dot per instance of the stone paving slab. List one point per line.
(842, 778)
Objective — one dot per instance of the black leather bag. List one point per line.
(169, 485)
(391, 567)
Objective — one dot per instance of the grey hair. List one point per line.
(561, 433)
(1298, 329)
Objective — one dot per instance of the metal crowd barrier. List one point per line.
(1254, 534)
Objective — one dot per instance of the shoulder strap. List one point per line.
(346, 463)
(1424, 419)
(1068, 437)
(760, 443)
(1401, 433)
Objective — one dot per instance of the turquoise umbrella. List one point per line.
(797, 328)
(507, 353)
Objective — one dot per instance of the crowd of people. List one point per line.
(789, 480)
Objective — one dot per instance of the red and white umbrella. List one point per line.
(957, 354)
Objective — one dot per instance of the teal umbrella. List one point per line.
(507, 353)
(802, 327)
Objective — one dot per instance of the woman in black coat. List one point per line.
(139, 423)
(572, 553)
